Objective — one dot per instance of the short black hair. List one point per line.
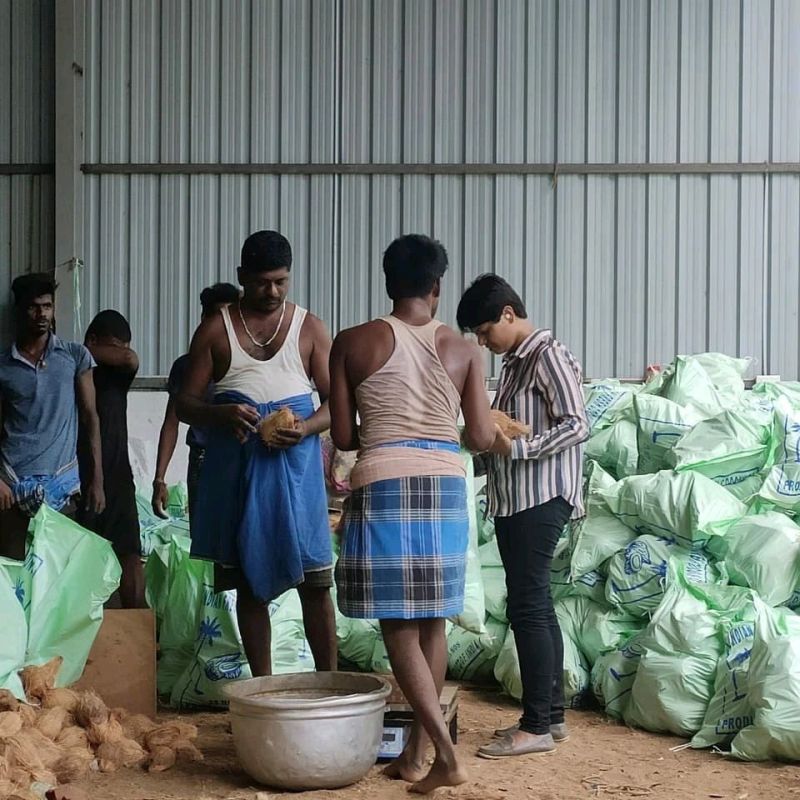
(412, 264)
(216, 295)
(264, 251)
(110, 323)
(485, 300)
(26, 288)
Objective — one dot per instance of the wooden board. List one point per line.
(122, 662)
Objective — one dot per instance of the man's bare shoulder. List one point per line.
(455, 342)
(313, 326)
(210, 331)
(358, 332)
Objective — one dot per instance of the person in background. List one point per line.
(45, 386)
(404, 546)
(261, 510)
(108, 339)
(212, 298)
(534, 487)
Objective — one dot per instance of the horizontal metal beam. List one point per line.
(553, 170)
(27, 169)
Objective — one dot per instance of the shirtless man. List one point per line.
(261, 512)
(404, 547)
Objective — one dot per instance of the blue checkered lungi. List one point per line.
(404, 549)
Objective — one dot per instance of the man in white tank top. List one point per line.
(261, 512)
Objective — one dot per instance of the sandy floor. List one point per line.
(601, 760)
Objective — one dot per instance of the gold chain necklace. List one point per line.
(271, 338)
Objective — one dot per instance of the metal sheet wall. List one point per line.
(26, 137)
(627, 269)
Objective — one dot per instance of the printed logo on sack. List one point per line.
(219, 602)
(637, 555)
(33, 562)
(226, 667)
(19, 591)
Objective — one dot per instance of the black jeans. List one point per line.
(527, 541)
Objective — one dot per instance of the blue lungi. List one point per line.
(263, 510)
(404, 547)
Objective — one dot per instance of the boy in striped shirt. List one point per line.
(534, 487)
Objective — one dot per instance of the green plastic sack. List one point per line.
(613, 674)
(591, 585)
(608, 401)
(686, 505)
(781, 485)
(217, 655)
(471, 618)
(157, 572)
(357, 640)
(763, 552)
(774, 689)
(638, 575)
(771, 392)
(661, 423)
(493, 577)
(472, 656)
(681, 646)
(571, 613)
(616, 448)
(708, 382)
(67, 576)
(730, 710)
(605, 629)
(576, 671)
(730, 449)
(599, 535)
(178, 501)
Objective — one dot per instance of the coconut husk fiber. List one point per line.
(74, 765)
(28, 715)
(282, 418)
(73, 736)
(10, 724)
(39, 679)
(121, 753)
(137, 726)
(51, 721)
(161, 759)
(61, 698)
(90, 710)
(102, 732)
(31, 741)
(509, 427)
(7, 701)
(169, 733)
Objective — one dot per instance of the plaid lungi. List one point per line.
(404, 549)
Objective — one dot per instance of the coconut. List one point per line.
(170, 732)
(22, 753)
(186, 750)
(268, 427)
(10, 724)
(108, 731)
(52, 720)
(7, 701)
(161, 759)
(509, 427)
(73, 736)
(136, 726)
(122, 753)
(38, 680)
(31, 741)
(28, 715)
(73, 765)
(61, 698)
(91, 710)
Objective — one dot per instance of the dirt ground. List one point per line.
(601, 760)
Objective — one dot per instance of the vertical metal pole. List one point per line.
(69, 101)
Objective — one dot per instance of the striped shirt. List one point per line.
(540, 386)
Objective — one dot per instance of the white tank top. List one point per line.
(280, 377)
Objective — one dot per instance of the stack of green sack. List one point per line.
(51, 604)
(199, 645)
(676, 592)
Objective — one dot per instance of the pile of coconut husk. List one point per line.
(61, 735)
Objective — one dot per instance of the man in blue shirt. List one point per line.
(45, 384)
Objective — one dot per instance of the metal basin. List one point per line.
(313, 730)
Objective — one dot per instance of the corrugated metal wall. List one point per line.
(628, 269)
(26, 138)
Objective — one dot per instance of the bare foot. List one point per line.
(440, 774)
(404, 769)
